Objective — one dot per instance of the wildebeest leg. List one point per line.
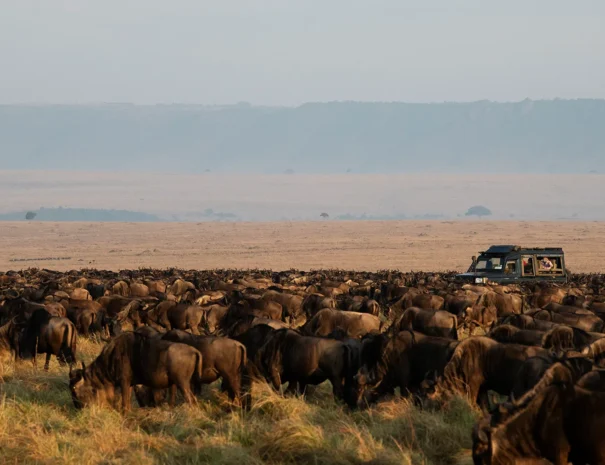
(337, 388)
(47, 364)
(62, 358)
(483, 400)
(231, 387)
(187, 394)
(172, 400)
(126, 393)
(292, 388)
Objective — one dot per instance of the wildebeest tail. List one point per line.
(69, 343)
(455, 328)
(246, 379)
(349, 373)
(196, 379)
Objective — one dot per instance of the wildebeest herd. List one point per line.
(530, 357)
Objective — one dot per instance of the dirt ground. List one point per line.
(360, 245)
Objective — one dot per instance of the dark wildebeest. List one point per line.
(432, 323)
(223, 358)
(534, 368)
(299, 360)
(355, 324)
(384, 366)
(254, 338)
(403, 360)
(593, 381)
(480, 364)
(556, 421)
(95, 290)
(50, 335)
(132, 359)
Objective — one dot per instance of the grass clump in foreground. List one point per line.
(38, 424)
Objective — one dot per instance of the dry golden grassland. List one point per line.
(353, 245)
(39, 425)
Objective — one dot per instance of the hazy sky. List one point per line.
(286, 52)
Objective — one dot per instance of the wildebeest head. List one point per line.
(482, 444)
(81, 387)
(372, 369)
(481, 316)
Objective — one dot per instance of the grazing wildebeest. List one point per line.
(131, 359)
(384, 366)
(299, 360)
(480, 364)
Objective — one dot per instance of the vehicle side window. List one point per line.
(528, 265)
(549, 265)
(511, 267)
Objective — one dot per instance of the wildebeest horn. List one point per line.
(83, 365)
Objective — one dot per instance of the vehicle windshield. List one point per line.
(490, 263)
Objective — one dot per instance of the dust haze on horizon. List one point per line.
(275, 52)
(541, 157)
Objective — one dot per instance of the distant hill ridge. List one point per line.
(81, 214)
(557, 136)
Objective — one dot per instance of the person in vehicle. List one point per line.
(546, 264)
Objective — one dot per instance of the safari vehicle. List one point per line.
(506, 264)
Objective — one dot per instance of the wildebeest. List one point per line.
(223, 358)
(509, 334)
(50, 335)
(299, 360)
(480, 364)
(384, 366)
(355, 324)
(313, 303)
(401, 360)
(131, 359)
(549, 422)
(585, 322)
(432, 323)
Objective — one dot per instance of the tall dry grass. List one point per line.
(38, 424)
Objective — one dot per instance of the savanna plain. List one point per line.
(38, 423)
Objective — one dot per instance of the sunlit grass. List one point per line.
(38, 424)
